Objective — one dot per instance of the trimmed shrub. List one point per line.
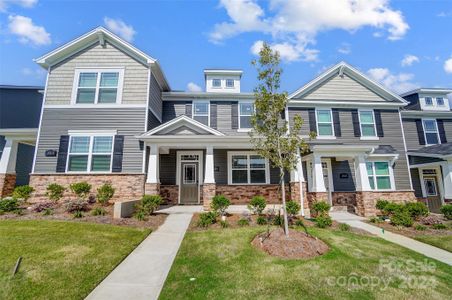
(8, 204)
(148, 204)
(98, 211)
(55, 191)
(375, 220)
(381, 204)
(439, 226)
(292, 208)
(344, 227)
(446, 210)
(321, 208)
(392, 208)
(23, 192)
(206, 219)
(420, 227)
(140, 215)
(257, 205)
(323, 221)
(401, 218)
(77, 214)
(39, 207)
(219, 204)
(81, 189)
(243, 222)
(47, 212)
(76, 205)
(104, 193)
(416, 209)
(278, 220)
(261, 220)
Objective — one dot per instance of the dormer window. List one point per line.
(440, 101)
(216, 83)
(229, 83)
(428, 101)
(97, 86)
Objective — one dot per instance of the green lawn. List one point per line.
(440, 241)
(222, 264)
(61, 260)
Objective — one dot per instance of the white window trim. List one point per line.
(240, 129)
(90, 152)
(193, 114)
(368, 138)
(226, 83)
(425, 132)
(440, 105)
(120, 87)
(439, 181)
(324, 137)
(425, 101)
(391, 174)
(248, 154)
(215, 86)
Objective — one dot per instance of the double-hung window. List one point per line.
(246, 111)
(324, 123)
(428, 101)
(379, 174)
(440, 101)
(247, 168)
(430, 131)
(90, 153)
(216, 83)
(229, 83)
(98, 86)
(367, 123)
(201, 112)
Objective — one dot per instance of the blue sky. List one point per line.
(404, 44)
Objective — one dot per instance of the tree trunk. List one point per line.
(283, 194)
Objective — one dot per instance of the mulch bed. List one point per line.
(152, 222)
(297, 245)
(412, 232)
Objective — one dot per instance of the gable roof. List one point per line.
(100, 35)
(182, 122)
(342, 69)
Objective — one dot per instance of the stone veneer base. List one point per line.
(242, 194)
(366, 201)
(7, 184)
(127, 186)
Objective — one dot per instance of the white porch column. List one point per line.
(447, 179)
(318, 184)
(153, 165)
(209, 176)
(9, 157)
(297, 174)
(362, 179)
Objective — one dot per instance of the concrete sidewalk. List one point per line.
(425, 249)
(142, 274)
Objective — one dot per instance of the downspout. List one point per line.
(300, 182)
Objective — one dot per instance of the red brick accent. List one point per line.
(7, 184)
(208, 192)
(152, 188)
(128, 186)
(365, 201)
(170, 193)
(242, 194)
(345, 199)
(295, 194)
(316, 197)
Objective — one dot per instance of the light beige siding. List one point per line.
(61, 78)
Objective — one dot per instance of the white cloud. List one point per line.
(408, 60)
(296, 23)
(38, 73)
(448, 66)
(4, 4)
(345, 48)
(193, 87)
(444, 14)
(120, 28)
(28, 32)
(287, 51)
(398, 83)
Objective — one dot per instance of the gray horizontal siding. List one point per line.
(56, 122)
(20, 108)
(416, 182)
(412, 137)
(152, 121)
(168, 168)
(155, 97)
(61, 77)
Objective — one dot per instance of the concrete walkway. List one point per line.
(142, 274)
(425, 249)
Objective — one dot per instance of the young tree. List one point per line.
(271, 136)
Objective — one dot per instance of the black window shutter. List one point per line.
(213, 115)
(378, 123)
(62, 154)
(117, 153)
(312, 120)
(355, 119)
(337, 123)
(442, 132)
(420, 132)
(188, 109)
(234, 115)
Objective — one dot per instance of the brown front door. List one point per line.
(433, 196)
(189, 185)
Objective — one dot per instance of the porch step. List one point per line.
(337, 208)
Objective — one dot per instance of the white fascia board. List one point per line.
(28, 134)
(351, 104)
(341, 148)
(441, 156)
(181, 119)
(423, 113)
